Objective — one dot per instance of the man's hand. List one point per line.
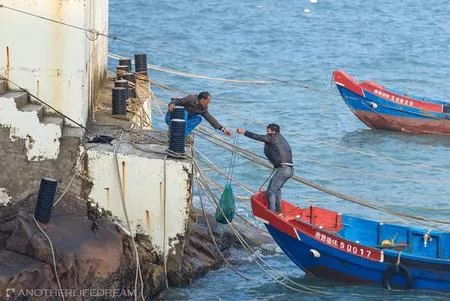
(227, 132)
(171, 107)
(240, 131)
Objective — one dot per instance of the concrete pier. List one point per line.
(110, 195)
(156, 188)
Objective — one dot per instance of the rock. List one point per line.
(200, 254)
(103, 259)
(93, 253)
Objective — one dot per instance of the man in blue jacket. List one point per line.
(196, 107)
(279, 153)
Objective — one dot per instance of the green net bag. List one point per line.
(226, 207)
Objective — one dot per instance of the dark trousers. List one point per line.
(273, 193)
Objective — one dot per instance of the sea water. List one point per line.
(296, 45)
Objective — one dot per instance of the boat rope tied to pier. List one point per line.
(225, 213)
(200, 76)
(262, 162)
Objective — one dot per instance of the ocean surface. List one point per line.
(400, 44)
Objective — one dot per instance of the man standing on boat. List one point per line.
(279, 153)
(196, 107)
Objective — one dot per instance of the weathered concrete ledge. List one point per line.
(92, 249)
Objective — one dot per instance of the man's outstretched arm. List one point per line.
(215, 124)
(263, 138)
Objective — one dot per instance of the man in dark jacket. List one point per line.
(279, 153)
(196, 107)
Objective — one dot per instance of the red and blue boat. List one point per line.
(383, 108)
(346, 248)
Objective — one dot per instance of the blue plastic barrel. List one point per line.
(177, 129)
(44, 205)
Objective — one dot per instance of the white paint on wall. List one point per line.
(4, 197)
(41, 140)
(57, 63)
(162, 218)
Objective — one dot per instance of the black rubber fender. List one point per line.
(398, 269)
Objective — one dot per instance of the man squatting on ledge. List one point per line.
(196, 107)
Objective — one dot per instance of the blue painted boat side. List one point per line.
(331, 263)
(421, 98)
(353, 100)
(347, 248)
(404, 111)
(359, 103)
(371, 233)
(339, 265)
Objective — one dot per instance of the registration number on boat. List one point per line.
(345, 246)
(400, 100)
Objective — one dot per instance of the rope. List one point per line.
(190, 205)
(398, 257)
(93, 34)
(124, 207)
(53, 256)
(74, 174)
(257, 258)
(222, 173)
(233, 160)
(350, 150)
(49, 106)
(267, 179)
(254, 158)
(164, 217)
(190, 75)
(377, 175)
(212, 235)
(249, 250)
(220, 189)
(320, 142)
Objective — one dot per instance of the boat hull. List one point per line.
(338, 266)
(327, 254)
(377, 109)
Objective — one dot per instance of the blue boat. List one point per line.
(383, 108)
(332, 245)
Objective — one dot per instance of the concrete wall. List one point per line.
(143, 182)
(41, 139)
(98, 49)
(19, 177)
(55, 62)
